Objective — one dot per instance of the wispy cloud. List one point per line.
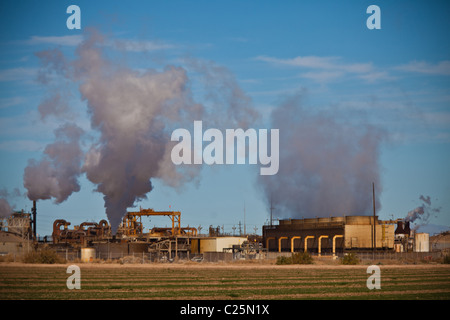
(324, 63)
(440, 68)
(131, 45)
(72, 40)
(322, 76)
(139, 45)
(376, 75)
(11, 101)
(326, 69)
(21, 145)
(18, 74)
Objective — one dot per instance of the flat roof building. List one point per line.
(328, 234)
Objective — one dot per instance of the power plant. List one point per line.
(327, 237)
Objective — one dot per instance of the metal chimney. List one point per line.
(33, 213)
(407, 229)
(399, 229)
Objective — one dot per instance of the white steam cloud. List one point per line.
(56, 174)
(327, 167)
(134, 113)
(422, 214)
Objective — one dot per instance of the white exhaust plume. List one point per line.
(423, 213)
(134, 113)
(56, 174)
(327, 167)
(5, 208)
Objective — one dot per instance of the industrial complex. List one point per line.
(328, 237)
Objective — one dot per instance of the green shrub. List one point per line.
(350, 258)
(296, 258)
(284, 260)
(302, 258)
(46, 256)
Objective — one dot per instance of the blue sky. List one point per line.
(396, 78)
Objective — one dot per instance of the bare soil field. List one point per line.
(209, 281)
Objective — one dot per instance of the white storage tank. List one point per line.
(87, 254)
(422, 242)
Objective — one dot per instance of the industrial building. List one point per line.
(130, 239)
(322, 236)
(336, 234)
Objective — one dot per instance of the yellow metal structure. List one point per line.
(279, 242)
(133, 227)
(292, 242)
(320, 244)
(334, 243)
(306, 242)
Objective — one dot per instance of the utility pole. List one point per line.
(245, 232)
(374, 224)
(271, 208)
(33, 213)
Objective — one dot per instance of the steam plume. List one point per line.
(5, 208)
(422, 213)
(134, 113)
(326, 167)
(56, 174)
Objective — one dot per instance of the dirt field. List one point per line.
(214, 281)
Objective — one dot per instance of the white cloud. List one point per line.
(376, 75)
(18, 74)
(139, 45)
(11, 101)
(325, 63)
(440, 68)
(21, 145)
(322, 76)
(120, 44)
(326, 69)
(73, 40)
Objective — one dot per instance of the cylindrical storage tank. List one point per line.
(87, 254)
(421, 242)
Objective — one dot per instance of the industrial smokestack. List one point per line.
(407, 229)
(399, 229)
(33, 213)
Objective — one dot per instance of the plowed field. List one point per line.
(203, 281)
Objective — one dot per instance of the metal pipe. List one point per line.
(320, 243)
(334, 243)
(279, 243)
(292, 242)
(306, 241)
